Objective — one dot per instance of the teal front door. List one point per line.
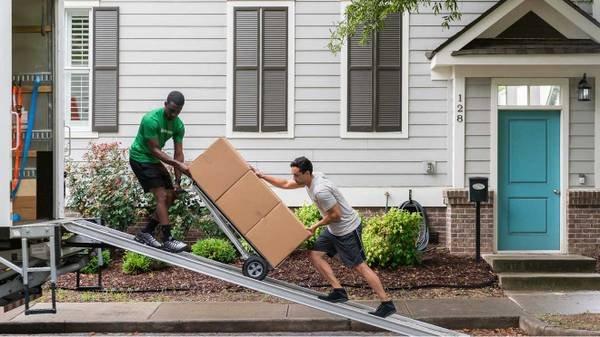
(529, 180)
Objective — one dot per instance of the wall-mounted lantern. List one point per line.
(584, 90)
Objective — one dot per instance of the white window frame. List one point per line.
(344, 133)
(231, 6)
(77, 130)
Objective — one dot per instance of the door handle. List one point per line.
(557, 192)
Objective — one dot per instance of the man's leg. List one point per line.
(338, 294)
(162, 205)
(373, 280)
(166, 227)
(147, 234)
(387, 307)
(316, 258)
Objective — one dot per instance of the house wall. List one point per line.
(165, 47)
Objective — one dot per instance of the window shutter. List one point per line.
(274, 70)
(246, 80)
(105, 113)
(360, 86)
(389, 81)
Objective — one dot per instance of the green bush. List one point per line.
(92, 266)
(134, 263)
(215, 249)
(309, 215)
(389, 239)
(103, 186)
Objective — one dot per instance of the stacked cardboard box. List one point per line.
(251, 206)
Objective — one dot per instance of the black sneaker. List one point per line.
(174, 246)
(148, 239)
(338, 295)
(384, 309)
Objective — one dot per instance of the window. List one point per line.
(523, 95)
(260, 69)
(375, 80)
(78, 70)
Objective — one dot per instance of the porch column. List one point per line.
(460, 223)
(5, 108)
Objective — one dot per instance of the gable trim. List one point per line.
(590, 26)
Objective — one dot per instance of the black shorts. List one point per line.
(348, 247)
(151, 175)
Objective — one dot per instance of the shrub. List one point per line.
(389, 239)
(215, 249)
(134, 263)
(103, 186)
(309, 215)
(92, 266)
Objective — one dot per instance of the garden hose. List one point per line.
(413, 206)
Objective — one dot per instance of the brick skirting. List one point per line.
(460, 223)
(583, 218)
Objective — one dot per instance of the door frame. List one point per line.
(564, 149)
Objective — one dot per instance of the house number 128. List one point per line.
(459, 110)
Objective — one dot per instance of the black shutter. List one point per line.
(105, 101)
(360, 84)
(389, 80)
(274, 70)
(375, 80)
(246, 85)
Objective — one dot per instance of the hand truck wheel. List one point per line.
(255, 267)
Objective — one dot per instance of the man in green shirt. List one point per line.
(146, 158)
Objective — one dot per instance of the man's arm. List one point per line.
(180, 158)
(165, 158)
(287, 184)
(332, 215)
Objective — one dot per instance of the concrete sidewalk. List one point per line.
(182, 317)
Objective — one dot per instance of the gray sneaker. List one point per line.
(174, 246)
(148, 239)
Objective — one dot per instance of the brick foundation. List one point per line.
(460, 223)
(583, 218)
(436, 220)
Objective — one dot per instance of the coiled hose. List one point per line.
(413, 206)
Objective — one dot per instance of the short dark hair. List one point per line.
(303, 164)
(176, 97)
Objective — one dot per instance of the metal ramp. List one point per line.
(354, 311)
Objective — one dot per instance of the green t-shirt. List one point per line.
(155, 125)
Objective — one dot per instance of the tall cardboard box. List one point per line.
(251, 206)
(277, 235)
(218, 168)
(247, 202)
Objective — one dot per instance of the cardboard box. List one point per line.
(247, 202)
(218, 168)
(277, 235)
(253, 208)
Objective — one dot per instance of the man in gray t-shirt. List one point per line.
(342, 236)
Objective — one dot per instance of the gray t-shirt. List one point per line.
(325, 195)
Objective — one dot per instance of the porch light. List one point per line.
(584, 90)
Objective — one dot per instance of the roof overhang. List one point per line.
(566, 17)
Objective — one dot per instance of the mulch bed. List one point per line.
(439, 269)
